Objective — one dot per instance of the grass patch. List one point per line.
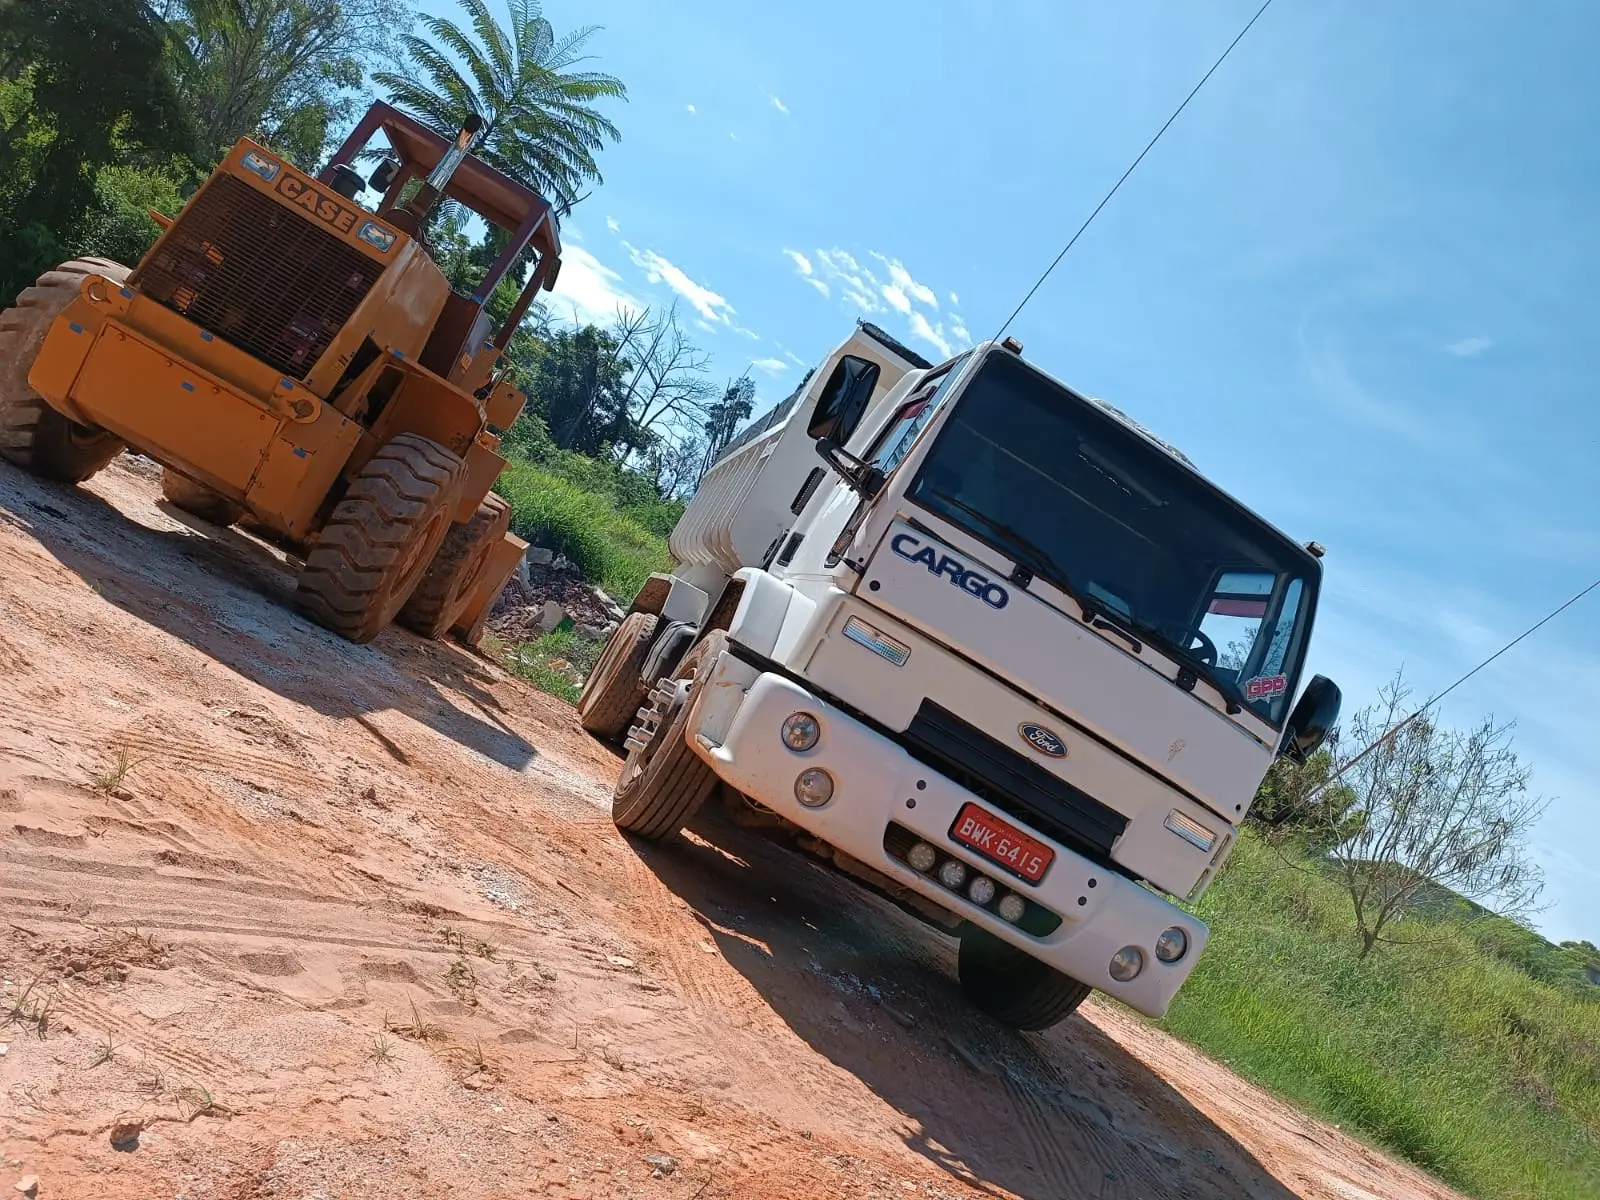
(1440, 1050)
(556, 662)
(608, 542)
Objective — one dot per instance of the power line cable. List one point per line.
(1433, 700)
(1106, 199)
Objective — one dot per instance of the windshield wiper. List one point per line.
(1228, 690)
(1029, 555)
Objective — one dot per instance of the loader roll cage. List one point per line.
(501, 201)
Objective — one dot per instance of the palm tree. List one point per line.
(539, 126)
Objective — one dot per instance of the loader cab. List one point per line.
(461, 342)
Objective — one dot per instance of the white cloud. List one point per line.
(611, 224)
(712, 307)
(897, 299)
(588, 289)
(901, 278)
(932, 334)
(689, 108)
(1469, 347)
(772, 366)
(954, 299)
(856, 284)
(778, 104)
(802, 264)
(958, 332)
(733, 137)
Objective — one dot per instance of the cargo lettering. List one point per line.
(330, 212)
(909, 547)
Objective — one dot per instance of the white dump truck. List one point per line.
(1001, 653)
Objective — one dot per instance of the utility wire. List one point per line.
(1433, 700)
(1106, 199)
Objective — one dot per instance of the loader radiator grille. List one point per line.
(259, 275)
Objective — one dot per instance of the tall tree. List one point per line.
(724, 416)
(81, 86)
(1439, 809)
(540, 126)
(281, 70)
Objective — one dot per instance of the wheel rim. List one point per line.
(660, 711)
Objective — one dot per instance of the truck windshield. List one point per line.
(1087, 503)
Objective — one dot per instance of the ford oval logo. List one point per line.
(1042, 740)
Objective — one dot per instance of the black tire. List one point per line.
(615, 688)
(33, 435)
(1013, 988)
(664, 783)
(380, 538)
(198, 500)
(447, 585)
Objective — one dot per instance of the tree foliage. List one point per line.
(540, 126)
(82, 87)
(283, 71)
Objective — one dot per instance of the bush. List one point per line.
(608, 545)
(120, 227)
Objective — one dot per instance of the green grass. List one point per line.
(555, 662)
(608, 542)
(1441, 1050)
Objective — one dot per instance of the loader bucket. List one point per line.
(503, 560)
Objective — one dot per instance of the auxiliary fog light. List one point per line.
(953, 874)
(1013, 907)
(1126, 963)
(922, 857)
(1172, 945)
(801, 731)
(813, 788)
(981, 890)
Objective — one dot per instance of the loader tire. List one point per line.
(615, 689)
(663, 783)
(198, 500)
(33, 435)
(1012, 987)
(380, 538)
(451, 577)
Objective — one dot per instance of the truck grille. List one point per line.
(1013, 783)
(259, 275)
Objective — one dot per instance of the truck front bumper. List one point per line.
(736, 729)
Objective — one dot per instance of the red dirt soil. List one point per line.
(292, 918)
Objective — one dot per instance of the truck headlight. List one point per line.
(813, 788)
(981, 890)
(1172, 945)
(1126, 964)
(1013, 907)
(922, 857)
(953, 874)
(801, 731)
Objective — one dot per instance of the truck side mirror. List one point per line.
(844, 399)
(864, 479)
(1312, 719)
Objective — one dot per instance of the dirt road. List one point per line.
(284, 917)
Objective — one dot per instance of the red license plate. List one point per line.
(1002, 842)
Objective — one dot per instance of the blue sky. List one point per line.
(1357, 282)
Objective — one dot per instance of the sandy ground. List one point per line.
(283, 917)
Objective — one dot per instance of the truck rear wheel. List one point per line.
(197, 500)
(1012, 987)
(451, 576)
(664, 783)
(380, 538)
(32, 434)
(614, 691)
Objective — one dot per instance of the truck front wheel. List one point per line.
(663, 782)
(1012, 987)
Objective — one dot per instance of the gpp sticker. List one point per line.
(1263, 686)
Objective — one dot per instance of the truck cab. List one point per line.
(1016, 661)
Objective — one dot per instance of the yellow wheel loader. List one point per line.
(298, 361)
